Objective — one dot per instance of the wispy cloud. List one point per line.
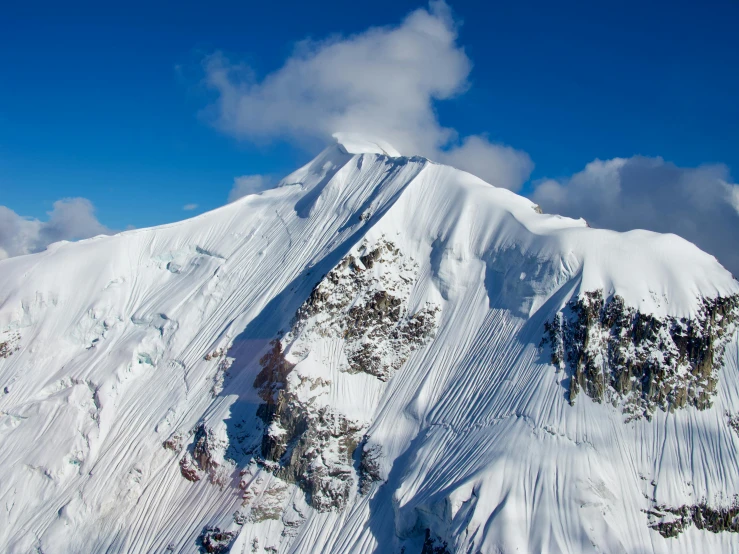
(383, 82)
(70, 219)
(700, 204)
(190, 207)
(248, 184)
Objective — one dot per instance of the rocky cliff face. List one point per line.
(362, 304)
(670, 522)
(205, 454)
(616, 354)
(307, 446)
(215, 541)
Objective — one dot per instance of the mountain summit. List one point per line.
(383, 354)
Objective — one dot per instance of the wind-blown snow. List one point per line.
(354, 143)
(118, 344)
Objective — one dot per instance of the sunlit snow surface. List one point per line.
(478, 441)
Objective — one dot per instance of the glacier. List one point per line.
(353, 362)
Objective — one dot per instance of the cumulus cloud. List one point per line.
(382, 82)
(248, 184)
(700, 204)
(70, 219)
(497, 164)
(190, 207)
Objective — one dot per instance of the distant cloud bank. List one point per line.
(70, 219)
(700, 204)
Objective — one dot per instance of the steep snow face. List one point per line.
(353, 362)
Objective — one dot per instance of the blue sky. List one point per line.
(106, 102)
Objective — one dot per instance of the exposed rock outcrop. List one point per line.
(617, 354)
(732, 420)
(368, 309)
(10, 345)
(434, 545)
(312, 448)
(207, 456)
(270, 503)
(369, 466)
(363, 304)
(215, 541)
(189, 468)
(670, 522)
(175, 442)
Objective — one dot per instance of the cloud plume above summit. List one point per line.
(382, 82)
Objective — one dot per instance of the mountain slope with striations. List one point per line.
(382, 354)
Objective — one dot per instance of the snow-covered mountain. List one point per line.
(383, 354)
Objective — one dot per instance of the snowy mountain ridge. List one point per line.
(382, 354)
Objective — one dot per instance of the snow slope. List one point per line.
(118, 345)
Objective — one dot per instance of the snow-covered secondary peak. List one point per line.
(354, 143)
(383, 354)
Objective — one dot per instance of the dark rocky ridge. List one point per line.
(369, 466)
(204, 457)
(616, 354)
(434, 545)
(296, 450)
(673, 521)
(299, 450)
(366, 309)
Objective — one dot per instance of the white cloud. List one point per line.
(733, 191)
(382, 82)
(497, 164)
(70, 219)
(248, 184)
(698, 204)
(189, 207)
